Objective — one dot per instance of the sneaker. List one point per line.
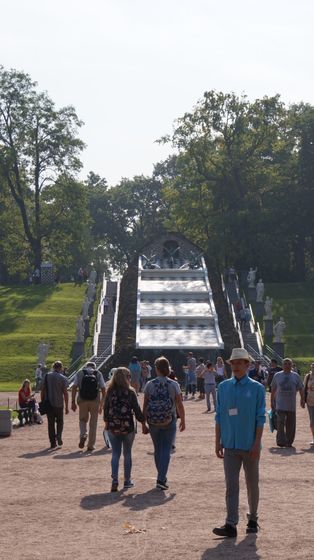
(226, 531)
(53, 445)
(128, 484)
(82, 442)
(114, 486)
(252, 526)
(60, 442)
(162, 485)
(91, 448)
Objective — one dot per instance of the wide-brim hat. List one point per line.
(239, 354)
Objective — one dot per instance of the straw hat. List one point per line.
(239, 354)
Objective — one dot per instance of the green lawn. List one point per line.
(295, 303)
(29, 315)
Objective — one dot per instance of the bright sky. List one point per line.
(131, 67)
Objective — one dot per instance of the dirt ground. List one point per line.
(57, 504)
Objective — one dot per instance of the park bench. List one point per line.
(24, 413)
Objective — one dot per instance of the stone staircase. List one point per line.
(250, 334)
(107, 321)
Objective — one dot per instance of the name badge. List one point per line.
(233, 411)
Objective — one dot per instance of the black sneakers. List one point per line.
(252, 526)
(226, 531)
(162, 485)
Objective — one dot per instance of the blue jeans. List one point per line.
(162, 439)
(117, 442)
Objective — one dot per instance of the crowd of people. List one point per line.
(239, 419)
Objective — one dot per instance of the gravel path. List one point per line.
(58, 504)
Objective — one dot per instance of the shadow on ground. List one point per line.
(285, 451)
(232, 548)
(134, 502)
(55, 453)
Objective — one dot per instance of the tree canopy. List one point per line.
(240, 184)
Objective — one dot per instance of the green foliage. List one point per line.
(126, 216)
(241, 183)
(32, 314)
(38, 143)
(295, 302)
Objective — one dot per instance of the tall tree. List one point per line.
(127, 216)
(37, 144)
(231, 157)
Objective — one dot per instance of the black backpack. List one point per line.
(89, 385)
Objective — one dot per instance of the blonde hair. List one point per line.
(24, 383)
(120, 380)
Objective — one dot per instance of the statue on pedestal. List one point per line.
(268, 308)
(42, 352)
(260, 289)
(91, 290)
(85, 308)
(278, 330)
(251, 277)
(80, 329)
(93, 276)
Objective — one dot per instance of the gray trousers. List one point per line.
(233, 460)
(286, 423)
(210, 389)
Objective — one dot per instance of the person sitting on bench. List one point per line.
(27, 399)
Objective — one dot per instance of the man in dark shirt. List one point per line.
(55, 391)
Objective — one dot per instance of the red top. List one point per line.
(24, 395)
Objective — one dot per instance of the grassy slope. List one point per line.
(295, 303)
(32, 314)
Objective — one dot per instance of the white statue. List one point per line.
(251, 277)
(80, 329)
(85, 308)
(91, 290)
(268, 308)
(93, 276)
(42, 352)
(260, 291)
(278, 330)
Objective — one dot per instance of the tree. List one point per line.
(224, 186)
(66, 225)
(38, 143)
(126, 216)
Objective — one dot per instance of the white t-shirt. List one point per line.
(220, 370)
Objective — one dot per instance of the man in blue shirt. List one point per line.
(240, 418)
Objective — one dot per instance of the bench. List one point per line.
(24, 413)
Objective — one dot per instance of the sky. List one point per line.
(132, 67)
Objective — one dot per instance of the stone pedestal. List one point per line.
(91, 309)
(5, 423)
(268, 327)
(279, 347)
(259, 309)
(86, 332)
(78, 350)
(251, 294)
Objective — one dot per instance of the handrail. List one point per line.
(115, 320)
(99, 315)
(257, 356)
(260, 340)
(93, 358)
(273, 353)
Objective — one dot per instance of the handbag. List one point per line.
(45, 406)
(306, 385)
